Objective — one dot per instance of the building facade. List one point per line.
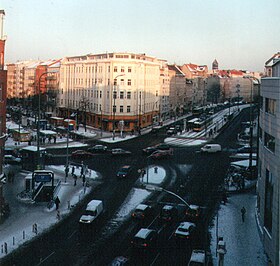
(269, 164)
(112, 91)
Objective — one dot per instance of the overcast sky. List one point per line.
(240, 34)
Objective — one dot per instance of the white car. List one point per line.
(119, 151)
(185, 230)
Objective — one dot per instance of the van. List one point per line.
(211, 148)
(93, 210)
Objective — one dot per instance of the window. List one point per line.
(129, 69)
(129, 95)
(108, 82)
(114, 94)
(268, 204)
(122, 82)
(115, 69)
(129, 82)
(269, 142)
(121, 94)
(260, 134)
(128, 109)
(108, 69)
(100, 94)
(121, 108)
(261, 102)
(270, 106)
(122, 69)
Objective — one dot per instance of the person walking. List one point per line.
(73, 170)
(57, 202)
(75, 179)
(66, 170)
(243, 211)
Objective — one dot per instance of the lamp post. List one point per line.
(238, 91)
(114, 102)
(160, 189)
(39, 116)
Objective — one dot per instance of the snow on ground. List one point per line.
(117, 138)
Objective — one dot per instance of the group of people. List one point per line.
(82, 173)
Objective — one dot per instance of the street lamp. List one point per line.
(160, 189)
(39, 116)
(114, 102)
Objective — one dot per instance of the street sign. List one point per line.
(43, 176)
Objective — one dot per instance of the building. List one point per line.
(269, 63)
(112, 91)
(3, 96)
(192, 71)
(269, 166)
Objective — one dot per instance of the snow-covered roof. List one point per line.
(48, 132)
(244, 163)
(33, 148)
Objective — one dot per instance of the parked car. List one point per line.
(161, 154)
(193, 213)
(124, 171)
(145, 238)
(247, 149)
(142, 211)
(119, 151)
(10, 159)
(185, 231)
(98, 149)
(149, 150)
(81, 154)
(93, 210)
(168, 213)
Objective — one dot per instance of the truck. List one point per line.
(93, 210)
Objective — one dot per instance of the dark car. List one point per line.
(81, 154)
(145, 238)
(160, 146)
(10, 159)
(161, 154)
(142, 211)
(98, 149)
(124, 171)
(193, 213)
(121, 152)
(168, 213)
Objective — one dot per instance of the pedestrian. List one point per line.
(75, 180)
(57, 201)
(243, 211)
(82, 169)
(49, 139)
(84, 179)
(73, 170)
(54, 139)
(66, 170)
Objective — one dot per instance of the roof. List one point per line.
(244, 163)
(141, 207)
(198, 256)
(32, 148)
(176, 69)
(143, 233)
(94, 203)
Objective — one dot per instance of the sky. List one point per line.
(240, 34)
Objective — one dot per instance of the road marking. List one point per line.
(72, 234)
(153, 262)
(42, 261)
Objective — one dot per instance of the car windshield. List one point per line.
(183, 229)
(89, 212)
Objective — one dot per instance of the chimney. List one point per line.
(2, 14)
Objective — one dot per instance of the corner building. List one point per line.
(112, 90)
(269, 164)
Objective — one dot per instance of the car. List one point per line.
(119, 151)
(119, 261)
(211, 148)
(160, 146)
(81, 154)
(171, 131)
(193, 213)
(145, 238)
(124, 171)
(10, 159)
(161, 154)
(247, 149)
(168, 213)
(185, 231)
(98, 149)
(141, 212)
(198, 258)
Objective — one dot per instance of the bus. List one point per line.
(190, 123)
(202, 124)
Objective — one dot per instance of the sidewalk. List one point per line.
(243, 244)
(19, 226)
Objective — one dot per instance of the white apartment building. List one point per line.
(104, 89)
(269, 164)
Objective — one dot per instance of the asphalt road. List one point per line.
(68, 244)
